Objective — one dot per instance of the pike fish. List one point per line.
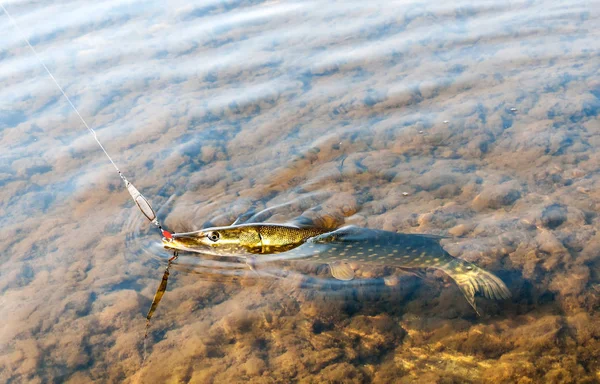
(262, 242)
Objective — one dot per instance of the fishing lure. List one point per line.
(142, 203)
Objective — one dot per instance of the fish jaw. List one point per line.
(189, 242)
(226, 243)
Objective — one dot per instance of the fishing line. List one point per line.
(139, 199)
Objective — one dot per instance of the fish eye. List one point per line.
(213, 236)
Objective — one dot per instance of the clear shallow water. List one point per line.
(486, 115)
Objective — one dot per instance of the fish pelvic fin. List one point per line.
(341, 271)
(471, 280)
(420, 273)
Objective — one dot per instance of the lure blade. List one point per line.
(159, 294)
(141, 201)
(157, 297)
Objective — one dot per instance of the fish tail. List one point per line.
(471, 279)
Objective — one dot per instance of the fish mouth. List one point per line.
(190, 242)
(169, 245)
(197, 242)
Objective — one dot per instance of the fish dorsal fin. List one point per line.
(244, 217)
(329, 221)
(429, 236)
(301, 222)
(310, 219)
(344, 234)
(341, 271)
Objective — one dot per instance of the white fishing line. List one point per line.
(39, 59)
(139, 199)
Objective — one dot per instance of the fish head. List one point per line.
(221, 241)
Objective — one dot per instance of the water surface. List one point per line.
(476, 120)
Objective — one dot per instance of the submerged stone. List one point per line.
(554, 215)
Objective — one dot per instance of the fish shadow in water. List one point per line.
(432, 298)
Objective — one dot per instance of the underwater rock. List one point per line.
(575, 238)
(570, 282)
(460, 229)
(341, 373)
(553, 216)
(387, 372)
(539, 334)
(237, 323)
(482, 340)
(497, 196)
(527, 258)
(590, 251)
(549, 244)
(288, 364)
(434, 180)
(326, 311)
(115, 309)
(375, 334)
(447, 191)
(254, 366)
(510, 368)
(425, 218)
(587, 331)
(568, 370)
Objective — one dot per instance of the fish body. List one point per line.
(269, 242)
(401, 250)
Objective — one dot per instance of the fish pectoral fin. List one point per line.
(341, 271)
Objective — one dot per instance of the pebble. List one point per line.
(460, 229)
(425, 218)
(553, 216)
(497, 196)
(548, 243)
(583, 190)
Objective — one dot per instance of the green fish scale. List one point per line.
(372, 246)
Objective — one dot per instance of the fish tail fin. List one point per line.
(471, 279)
